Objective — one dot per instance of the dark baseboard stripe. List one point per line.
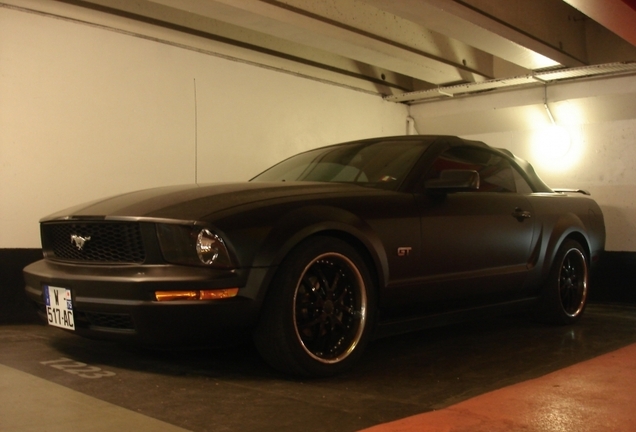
(14, 306)
(613, 278)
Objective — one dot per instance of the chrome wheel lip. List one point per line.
(361, 311)
(579, 287)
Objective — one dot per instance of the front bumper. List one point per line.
(118, 302)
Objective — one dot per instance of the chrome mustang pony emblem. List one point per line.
(79, 241)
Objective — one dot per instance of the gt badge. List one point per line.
(404, 251)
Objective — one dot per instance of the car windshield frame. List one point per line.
(379, 164)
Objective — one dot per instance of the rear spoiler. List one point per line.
(581, 191)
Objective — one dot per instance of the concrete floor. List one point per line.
(500, 374)
(596, 395)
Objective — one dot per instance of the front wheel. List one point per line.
(565, 293)
(318, 314)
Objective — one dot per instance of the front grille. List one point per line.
(98, 242)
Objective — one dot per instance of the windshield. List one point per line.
(382, 164)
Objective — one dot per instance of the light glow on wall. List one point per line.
(558, 146)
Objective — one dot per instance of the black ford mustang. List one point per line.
(322, 252)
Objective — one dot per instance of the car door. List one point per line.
(476, 244)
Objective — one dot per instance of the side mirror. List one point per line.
(454, 181)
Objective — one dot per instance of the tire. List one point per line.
(565, 294)
(318, 315)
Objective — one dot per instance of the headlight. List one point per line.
(184, 244)
(209, 246)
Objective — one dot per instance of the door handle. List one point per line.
(521, 214)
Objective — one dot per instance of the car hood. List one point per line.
(199, 202)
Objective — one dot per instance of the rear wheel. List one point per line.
(565, 293)
(317, 317)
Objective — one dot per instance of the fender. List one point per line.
(299, 224)
(568, 225)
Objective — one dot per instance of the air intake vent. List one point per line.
(107, 320)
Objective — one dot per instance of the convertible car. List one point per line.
(323, 252)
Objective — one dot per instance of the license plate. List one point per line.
(59, 307)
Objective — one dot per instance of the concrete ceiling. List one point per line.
(402, 46)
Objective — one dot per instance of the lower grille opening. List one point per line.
(107, 321)
(114, 321)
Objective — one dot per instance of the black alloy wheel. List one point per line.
(573, 282)
(330, 308)
(319, 311)
(565, 294)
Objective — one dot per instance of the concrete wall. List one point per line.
(593, 146)
(90, 108)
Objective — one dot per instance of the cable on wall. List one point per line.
(196, 137)
(545, 104)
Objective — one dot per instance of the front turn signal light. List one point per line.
(216, 294)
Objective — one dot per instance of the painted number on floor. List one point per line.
(78, 368)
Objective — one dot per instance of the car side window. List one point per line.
(495, 172)
(522, 185)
